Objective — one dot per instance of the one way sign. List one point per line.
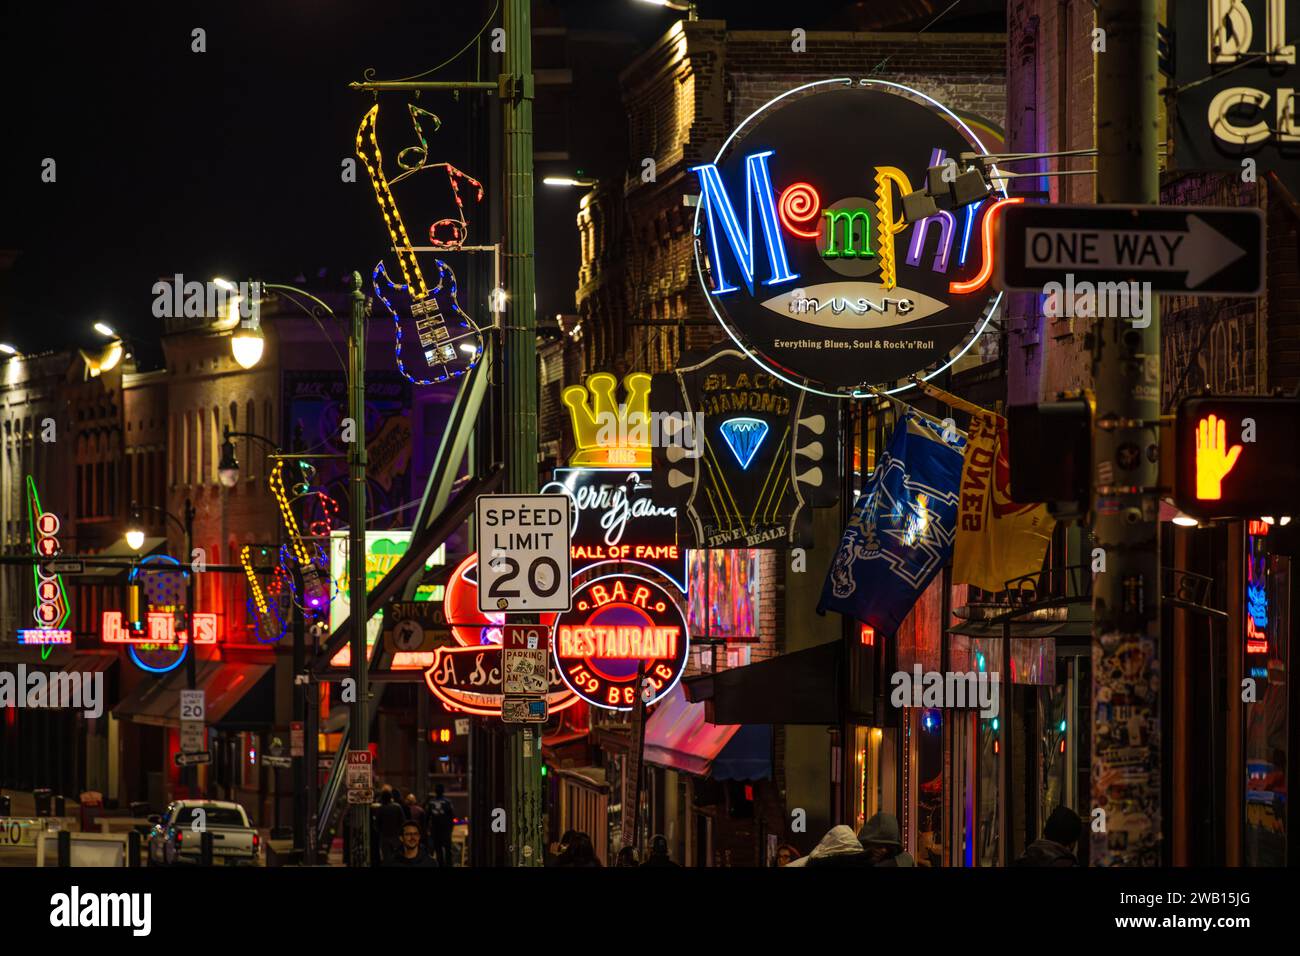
(1193, 250)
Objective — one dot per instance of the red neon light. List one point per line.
(799, 203)
(44, 635)
(986, 249)
(1259, 528)
(624, 642)
(867, 635)
(160, 628)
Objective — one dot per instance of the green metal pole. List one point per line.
(1126, 381)
(519, 375)
(360, 719)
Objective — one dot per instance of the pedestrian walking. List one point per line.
(579, 853)
(659, 852)
(557, 849)
(1056, 848)
(881, 842)
(440, 820)
(411, 852)
(627, 857)
(839, 847)
(389, 820)
(415, 813)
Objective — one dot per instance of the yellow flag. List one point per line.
(997, 539)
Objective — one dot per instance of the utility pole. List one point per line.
(1126, 525)
(519, 374)
(359, 725)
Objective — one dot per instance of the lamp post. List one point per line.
(303, 710)
(135, 540)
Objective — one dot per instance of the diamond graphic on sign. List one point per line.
(744, 436)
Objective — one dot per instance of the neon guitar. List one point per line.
(449, 340)
(270, 625)
(315, 592)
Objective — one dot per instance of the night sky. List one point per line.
(227, 162)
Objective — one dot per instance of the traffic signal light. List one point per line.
(1237, 457)
(1050, 454)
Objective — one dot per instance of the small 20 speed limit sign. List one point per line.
(523, 553)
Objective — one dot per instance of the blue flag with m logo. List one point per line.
(903, 527)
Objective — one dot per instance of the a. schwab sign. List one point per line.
(803, 250)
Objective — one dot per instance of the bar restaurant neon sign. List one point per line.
(621, 627)
(845, 296)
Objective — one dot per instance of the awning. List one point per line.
(238, 696)
(679, 737)
(747, 756)
(798, 688)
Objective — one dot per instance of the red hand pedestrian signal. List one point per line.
(1214, 459)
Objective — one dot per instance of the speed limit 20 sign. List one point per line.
(523, 553)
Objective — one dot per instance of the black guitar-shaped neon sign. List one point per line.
(449, 340)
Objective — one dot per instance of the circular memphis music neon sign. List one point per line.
(617, 624)
(803, 251)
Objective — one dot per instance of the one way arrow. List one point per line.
(1201, 250)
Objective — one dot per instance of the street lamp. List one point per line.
(247, 345)
(105, 330)
(8, 349)
(569, 181)
(692, 13)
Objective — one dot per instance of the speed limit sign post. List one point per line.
(523, 553)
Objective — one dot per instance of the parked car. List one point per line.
(177, 836)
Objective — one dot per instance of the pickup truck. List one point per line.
(177, 836)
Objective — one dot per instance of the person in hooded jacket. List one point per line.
(1056, 848)
(880, 840)
(839, 847)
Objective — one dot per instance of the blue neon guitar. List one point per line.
(449, 340)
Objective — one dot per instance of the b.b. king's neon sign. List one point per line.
(840, 299)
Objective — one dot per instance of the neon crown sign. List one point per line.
(847, 297)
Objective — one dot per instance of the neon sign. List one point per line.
(44, 635)
(853, 304)
(743, 437)
(766, 453)
(159, 628)
(609, 434)
(467, 678)
(621, 627)
(618, 518)
(383, 550)
(52, 608)
(449, 340)
(1257, 581)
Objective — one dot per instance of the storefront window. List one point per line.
(929, 780)
(1268, 632)
(872, 773)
